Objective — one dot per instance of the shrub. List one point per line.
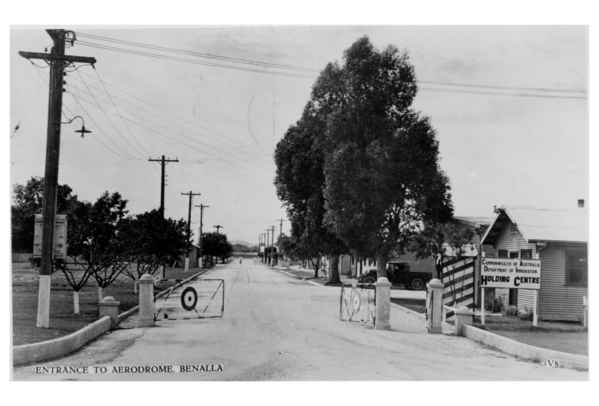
(511, 311)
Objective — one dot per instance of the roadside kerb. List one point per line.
(526, 351)
(506, 345)
(61, 346)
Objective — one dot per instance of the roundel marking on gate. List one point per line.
(189, 298)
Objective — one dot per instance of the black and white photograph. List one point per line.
(284, 202)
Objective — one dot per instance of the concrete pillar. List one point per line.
(383, 304)
(110, 307)
(463, 316)
(146, 301)
(186, 264)
(434, 306)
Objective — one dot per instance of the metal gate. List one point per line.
(458, 284)
(203, 298)
(358, 303)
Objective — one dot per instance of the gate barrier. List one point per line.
(204, 298)
(458, 285)
(357, 303)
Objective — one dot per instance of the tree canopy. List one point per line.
(360, 170)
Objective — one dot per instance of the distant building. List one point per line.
(559, 239)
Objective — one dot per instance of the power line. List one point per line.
(542, 96)
(272, 65)
(186, 60)
(198, 54)
(117, 130)
(117, 110)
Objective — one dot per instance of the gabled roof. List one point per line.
(541, 224)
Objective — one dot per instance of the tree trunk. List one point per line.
(100, 294)
(316, 267)
(381, 266)
(333, 275)
(75, 302)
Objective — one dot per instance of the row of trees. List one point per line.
(104, 241)
(216, 245)
(359, 171)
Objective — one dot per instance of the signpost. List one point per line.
(512, 274)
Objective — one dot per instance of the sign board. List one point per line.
(510, 273)
(60, 236)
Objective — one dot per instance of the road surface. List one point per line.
(276, 327)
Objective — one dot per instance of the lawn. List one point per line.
(62, 319)
(567, 337)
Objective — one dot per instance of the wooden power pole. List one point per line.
(202, 207)
(190, 195)
(57, 60)
(163, 161)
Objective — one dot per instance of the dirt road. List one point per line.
(279, 328)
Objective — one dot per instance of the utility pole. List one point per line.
(273, 260)
(57, 60)
(163, 161)
(190, 194)
(280, 226)
(202, 207)
(218, 227)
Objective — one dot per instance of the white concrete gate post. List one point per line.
(383, 304)
(146, 301)
(434, 306)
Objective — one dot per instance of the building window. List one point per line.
(576, 267)
(513, 254)
(502, 254)
(525, 254)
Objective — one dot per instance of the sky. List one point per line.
(223, 124)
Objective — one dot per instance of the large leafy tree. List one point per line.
(382, 178)
(300, 182)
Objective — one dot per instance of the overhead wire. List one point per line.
(303, 70)
(117, 130)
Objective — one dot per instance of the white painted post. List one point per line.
(186, 264)
(75, 302)
(535, 319)
(435, 313)
(110, 307)
(482, 305)
(383, 304)
(146, 301)
(43, 302)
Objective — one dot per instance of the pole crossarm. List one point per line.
(53, 57)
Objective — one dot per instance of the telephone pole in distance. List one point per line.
(190, 195)
(163, 161)
(202, 207)
(57, 60)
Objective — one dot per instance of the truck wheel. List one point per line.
(417, 284)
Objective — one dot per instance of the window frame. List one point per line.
(578, 252)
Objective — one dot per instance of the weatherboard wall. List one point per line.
(557, 299)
